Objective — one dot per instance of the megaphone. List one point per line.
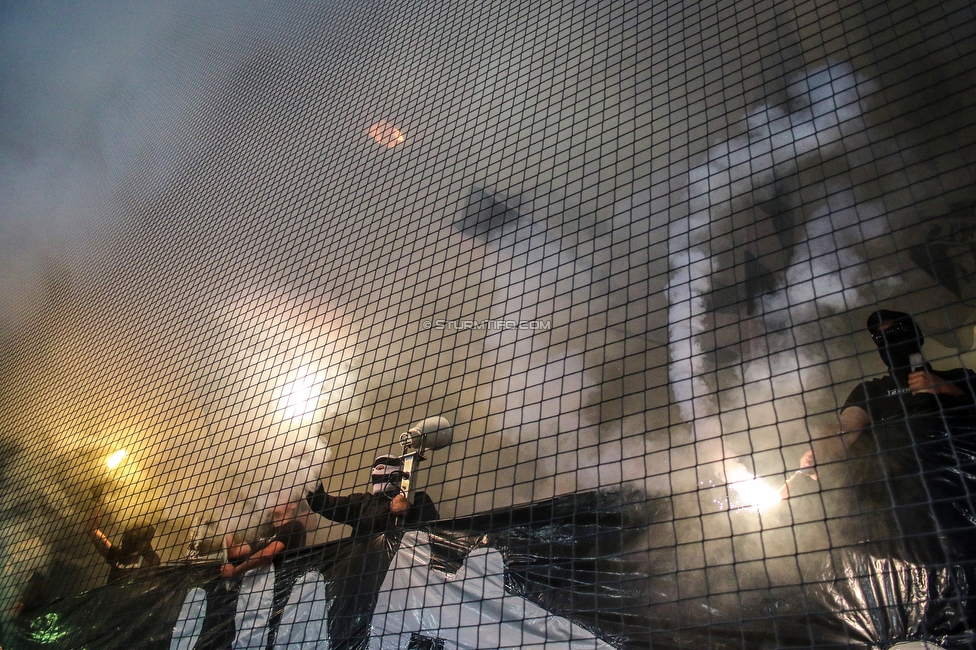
(432, 433)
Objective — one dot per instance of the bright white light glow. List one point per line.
(754, 493)
(300, 397)
(115, 459)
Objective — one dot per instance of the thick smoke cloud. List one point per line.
(84, 99)
(85, 110)
(749, 244)
(787, 232)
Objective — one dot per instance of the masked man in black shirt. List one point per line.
(370, 512)
(902, 470)
(910, 389)
(375, 517)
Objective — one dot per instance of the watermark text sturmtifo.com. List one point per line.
(487, 324)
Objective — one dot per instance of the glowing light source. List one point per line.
(386, 134)
(300, 397)
(115, 459)
(753, 492)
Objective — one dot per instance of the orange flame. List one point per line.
(386, 134)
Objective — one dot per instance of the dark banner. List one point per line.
(568, 573)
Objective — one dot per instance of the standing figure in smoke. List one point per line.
(375, 517)
(910, 388)
(33, 594)
(373, 512)
(133, 553)
(908, 445)
(287, 534)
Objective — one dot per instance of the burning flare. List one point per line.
(753, 492)
(115, 459)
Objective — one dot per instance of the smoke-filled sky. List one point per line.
(95, 97)
(209, 259)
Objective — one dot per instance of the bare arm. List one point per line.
(924, 381)
(834, 446)
(236, 551)
(102, 544)
(259, 559)
(853, 420)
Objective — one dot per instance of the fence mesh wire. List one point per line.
(626, 249)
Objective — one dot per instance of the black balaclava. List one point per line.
(898, 342)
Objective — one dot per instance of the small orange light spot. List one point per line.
(386, 134)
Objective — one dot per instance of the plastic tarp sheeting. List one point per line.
(469, 609)
(907, 569)
(573, 572)
(881, 599)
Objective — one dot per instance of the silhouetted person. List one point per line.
(33, 595)
(133, 553)
(287, 535)
(374, 517)
(910, 388)
(254, 622)
(908, 449)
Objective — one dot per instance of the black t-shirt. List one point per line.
(886, 398)
(292, 535)
(367, 513)
(914, 469)
(121, 564)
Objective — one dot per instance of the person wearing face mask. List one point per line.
(911, 389)
(368, 513)
(895, 488)
(376, 517)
